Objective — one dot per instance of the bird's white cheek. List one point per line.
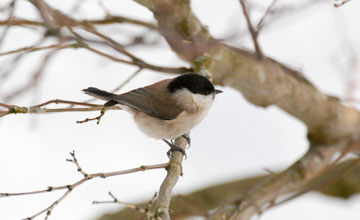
(203, 104)
(202, 101)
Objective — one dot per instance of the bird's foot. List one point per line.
(173, 148)
(188, 139)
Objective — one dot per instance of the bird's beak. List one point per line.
(217, 91)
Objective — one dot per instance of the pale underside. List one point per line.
(198, 107)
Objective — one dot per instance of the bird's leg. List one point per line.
(173, 147)
(188, 139)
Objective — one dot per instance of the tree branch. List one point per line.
(9, 20)
(332, 126)
(139, 63)
(339, 3)
(147, 211)
(70, 187)
(39, 109)
(261, 23)
(292, 179)
(174, 170)
(112, 19)
(204, 201)
(253, 32)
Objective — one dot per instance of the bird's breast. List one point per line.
(195, 107)
(168, 129)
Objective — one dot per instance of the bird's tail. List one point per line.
(100, 94)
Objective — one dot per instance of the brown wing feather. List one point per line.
(144, 100)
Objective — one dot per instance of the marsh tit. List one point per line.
(167, 109)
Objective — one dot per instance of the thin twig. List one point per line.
(141, 64)
(76, 6)
(102, 6)
(10, 17)
(261, 23)
(75, 161)
(334, 177)
(146, 210)
(320, 184)
(90, 176)
(21, 22)
(121, 19)
(39, 109)
(118, 47)
(69, 22)
(98, 118)
(61, 101)
(58, 19)
(253, 32)
(51, 207)
(339, 3)
(88, 47)
(132, 76)
(70, 187)
(13, 64)
(6, 105)
(273, 187)
(14, 109)
(114, 19)
(33, 49)
(36, 75)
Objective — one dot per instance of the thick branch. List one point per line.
(331, 125)
(290, 180)
(202, 202)
(263, 82)
(174, 171)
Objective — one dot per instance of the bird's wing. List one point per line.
(144, 100)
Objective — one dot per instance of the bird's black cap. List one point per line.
(196, 83)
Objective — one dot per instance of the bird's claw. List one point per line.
(188, 139)
(173, 148)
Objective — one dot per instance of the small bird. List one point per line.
(167, 109)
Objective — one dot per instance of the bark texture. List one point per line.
(331, 125)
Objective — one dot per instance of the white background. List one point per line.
(236, 140)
